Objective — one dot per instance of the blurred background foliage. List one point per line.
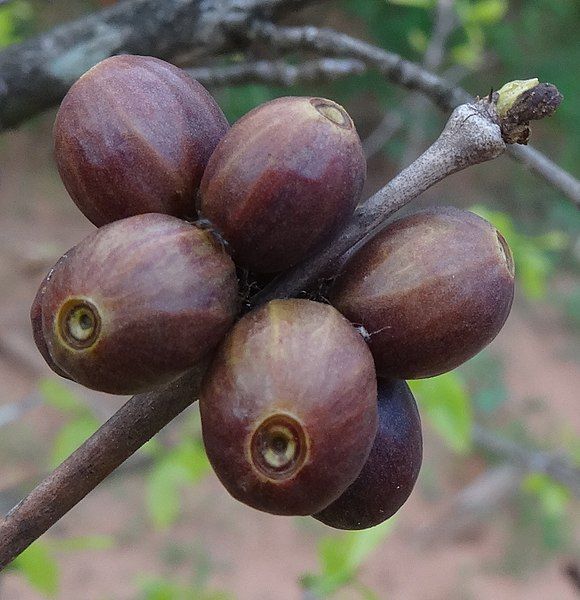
(490, 42)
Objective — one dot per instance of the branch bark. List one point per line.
(277, 72)
(36, 74)
(410, 76)
(124, 433)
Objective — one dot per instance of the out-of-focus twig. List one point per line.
(475, 502)
(410, 76)
(398, 70)
(384, 131)
(559, 468)
(417, 105)
(498, 484)
(277, 72)
(551, 172)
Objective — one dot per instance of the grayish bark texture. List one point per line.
(36, 74)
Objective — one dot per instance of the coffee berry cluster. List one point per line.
(304, 406)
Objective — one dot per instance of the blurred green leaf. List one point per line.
(366, 593)
(161, 589)
(470, 52)
(549, 510)
(14, 18)
(353, 548)
(481, 12)
(237, 101)
(341, 556)
(413, 3)
(6, 29)
(190, 454)
(184, 464)
(70, 437)
(484, 375)
(163, 495)
(38, 567)
(446, 404)
(91, 542)
(553, 496)
(158, 588)
(152, 448)
(81, 426)
(389, 23)
(60, 396)
(418, 40)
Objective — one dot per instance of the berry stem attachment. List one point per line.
(474, 133)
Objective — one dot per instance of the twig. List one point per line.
(36, 74)
(558, 468)
(277, 72)
(123, 434)
(410, 76)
